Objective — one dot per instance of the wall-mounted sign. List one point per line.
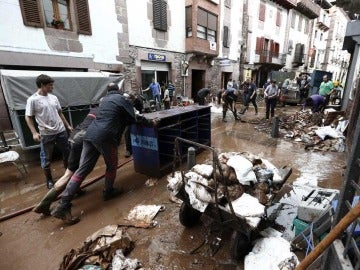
(156, 57)
(224, 62)
(184, 68)
(247, 74)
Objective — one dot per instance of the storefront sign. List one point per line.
(225, 62)
(156, 57)
(247, 74)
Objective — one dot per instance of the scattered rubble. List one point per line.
(100, 250)
(142, 216)
(307, 128)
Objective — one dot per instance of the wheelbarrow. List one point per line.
(224, 216)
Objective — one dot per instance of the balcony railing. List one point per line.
(288, 4)
(270, 57)
(308, 8)
(299, 58)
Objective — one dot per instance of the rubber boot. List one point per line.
(108, 194)
(44, 206)
(256, 110)
(224, 115)
(237, 118)
(49, 179)
(63, 209)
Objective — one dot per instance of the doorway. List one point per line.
(197, 82)
(225, 77)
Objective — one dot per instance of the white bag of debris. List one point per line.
(195, 188)
(271, 253)
(243, 169)
(322, 132)
(175, 183)
(248, 207)
(204, 170)
(120, 262)
(276, 178)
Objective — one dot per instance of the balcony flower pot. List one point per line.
(57, 23)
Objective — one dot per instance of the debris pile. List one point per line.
(236, 174)
(306, 127)
(103, 249)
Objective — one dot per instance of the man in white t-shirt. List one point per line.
(51, 122)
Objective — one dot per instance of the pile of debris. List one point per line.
(104, 249)
(247, 181)
(306, 127)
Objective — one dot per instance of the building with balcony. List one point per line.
(337, 60)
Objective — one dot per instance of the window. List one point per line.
(316, 33)
(278, 17)
(188, 18)
(57, 9)
(300, 24)
(262, 9)
(206, 25)
(293, 20)
(321, 36)
(306, 28)
(160, 15)
(226, 37)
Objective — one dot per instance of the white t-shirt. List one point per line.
(45, 109)
(166, 95)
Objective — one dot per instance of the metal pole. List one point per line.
(191, 158)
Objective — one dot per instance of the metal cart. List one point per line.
(242, 232)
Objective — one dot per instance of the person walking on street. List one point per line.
(53, 126)
(249, 95)
(102, 137)
(326, 89)
(202, 94)
(271, 94)
(166, 99)
(304, 87)
(76, 144)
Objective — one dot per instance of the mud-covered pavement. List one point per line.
(30, 241)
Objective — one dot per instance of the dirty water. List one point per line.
(33, 242)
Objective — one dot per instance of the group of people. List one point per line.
(99, 134)
(156, 93)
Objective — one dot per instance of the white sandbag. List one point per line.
(204, 170)
(174, 183)
(322, 132)
(243, 169)
(276, 178)
(198, 195)
(271, 253)
(248, 207)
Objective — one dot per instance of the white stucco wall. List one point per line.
(102, 45)
(235, 28)
(141, 27)
(267, 29)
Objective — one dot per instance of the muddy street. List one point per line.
(30, 241)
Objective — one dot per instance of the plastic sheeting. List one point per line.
(71, 88)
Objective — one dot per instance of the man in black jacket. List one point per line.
(102, 137)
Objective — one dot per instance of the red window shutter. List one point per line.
(262, 12)
(83, 17)
(278, 18)
(30, 10)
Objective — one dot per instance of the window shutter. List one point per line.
(212, 22)
(258, 45)
(262, 12)
(160, 15)
(188, 16)
(226, 37)
(30, 10)
(202, 17)
(83, 17)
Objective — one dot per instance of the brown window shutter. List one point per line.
(212, 22)
(258, 45)
(262, 12)
(163, 15)
(83, 17)
(188, 16)
(226, 37)
(202, 18)
(278, 18)
(30, 10)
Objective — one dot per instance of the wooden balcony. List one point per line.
(308, 8)
(288, 4)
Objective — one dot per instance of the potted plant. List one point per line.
(58, 23)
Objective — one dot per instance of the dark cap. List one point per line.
(273, 81)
